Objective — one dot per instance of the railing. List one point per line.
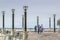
(29, 29)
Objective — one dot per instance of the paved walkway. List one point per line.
(44, 36)
(36, 36)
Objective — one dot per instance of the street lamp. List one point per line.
(25, 14)
(25, 8)
(13, 11)
(54, 22)
(13, 20)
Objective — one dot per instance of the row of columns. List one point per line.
(54, 19)
(24, 22)
(3, 29)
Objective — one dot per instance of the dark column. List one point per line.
(3, 21)
(13, 20)
(38, 22)
(25, 20)
(54, 22)
(25, 14)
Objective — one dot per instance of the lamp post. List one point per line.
(13, 21)
(25, 14)
(54, 22)
(25, 35)
(3, 20)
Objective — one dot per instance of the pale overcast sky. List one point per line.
(42, 8)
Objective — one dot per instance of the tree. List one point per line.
(58, 23)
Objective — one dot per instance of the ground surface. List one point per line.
(42, 36)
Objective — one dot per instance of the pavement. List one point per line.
(36, 36)
(44, 36)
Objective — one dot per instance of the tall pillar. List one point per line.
(38, 23)
(13, 21)
(25, 14)
(54, 22)
(49, 22)
(3, 22)
(23, 26)
(25, 22)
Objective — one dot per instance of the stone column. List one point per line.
(13, 22)
(25, 34)
(3, 29)
(37, 22)
(49, 22)
(54, 22)
(25, 22)
(23, 26)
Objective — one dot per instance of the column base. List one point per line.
(12, 32)
(3, 31)
(25, 35)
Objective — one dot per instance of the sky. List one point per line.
(42, 8)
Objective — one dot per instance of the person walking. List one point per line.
(42, 27)
(38, 28)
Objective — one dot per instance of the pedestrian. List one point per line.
(38, 28)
